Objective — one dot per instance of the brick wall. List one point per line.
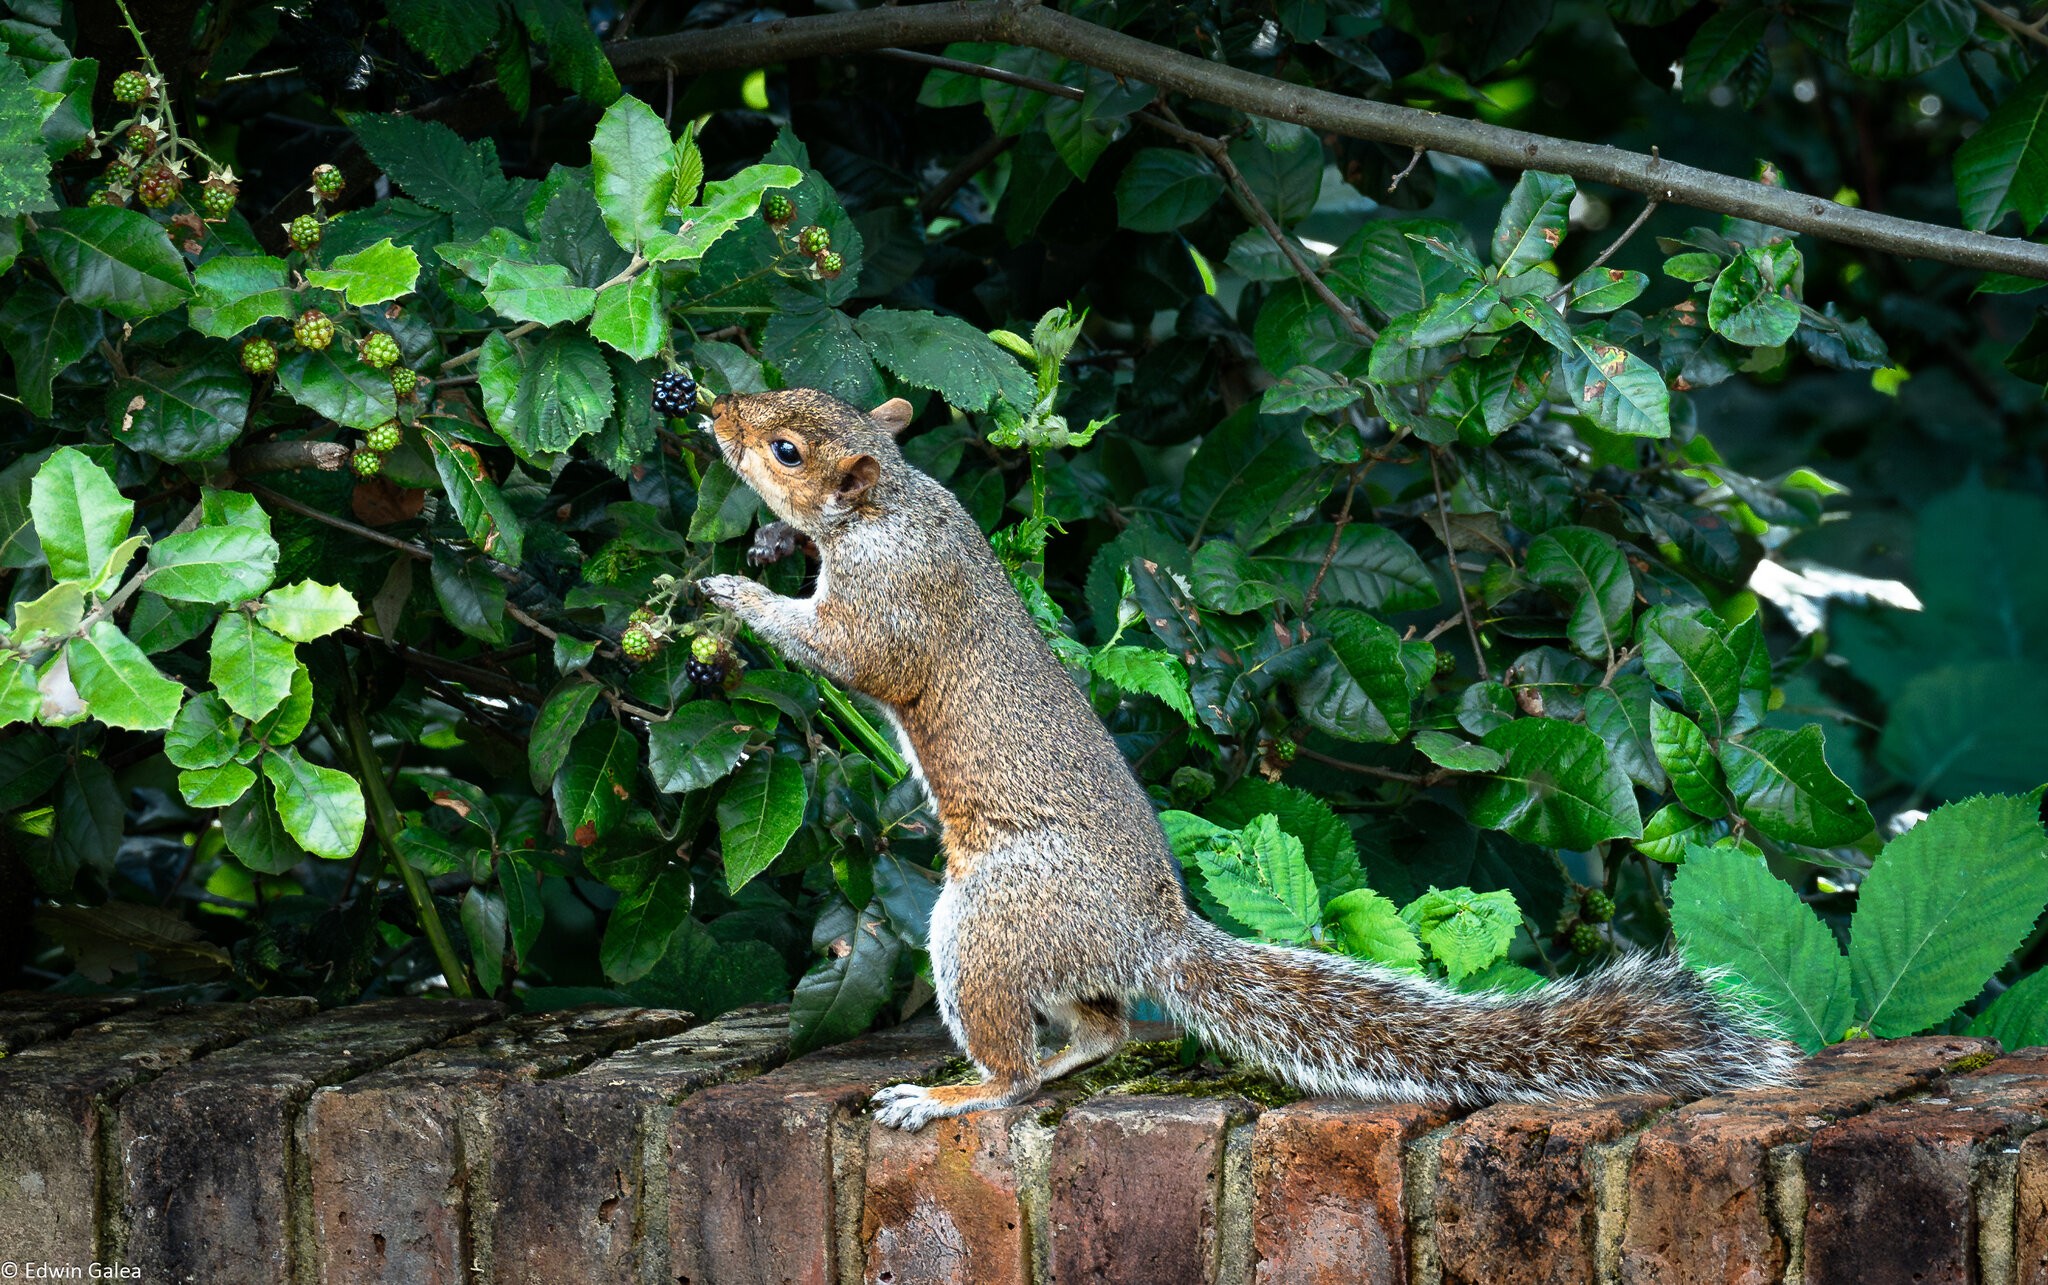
(436, 1141)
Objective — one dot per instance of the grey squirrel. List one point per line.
(1062, 900)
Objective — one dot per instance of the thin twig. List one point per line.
(524, 328)
(1043, 27)
(984, 72)
(2030, 30)
(1315, 587)
(1601, 262)
(1425, 780)
(1395, 182)
(958, 177)
(1443, 517)
(286, 457)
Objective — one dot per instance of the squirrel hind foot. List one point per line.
(911, 1107)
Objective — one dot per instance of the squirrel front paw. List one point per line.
(773, 543)
(734, 593)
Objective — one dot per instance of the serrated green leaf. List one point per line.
(1466, 931)
(629, 317)
(118, 683)
(1748, 306)
(564, 393)
(1559, 788)
(1668, 834)
(1371, 567)
(251, 667)
(1729, 911)
(629, 164)
(451, 33)
(543, 293)
(235, 291)
(1783, 786)
(321, 808)
(376, 273)
(79, 515)
(727, 204)
(441, 171)
(946, 355)
(213, 564)
(204, 733)
(1263, 880)
(762, 808)
(337, 386)
(214, 787)
(24, 162)
(307, 609)
(1945, 904)
(1368, 926)
(1327, 845)
(2018, 1018)
(1147, 671)
(1683, 752)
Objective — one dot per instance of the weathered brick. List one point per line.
(578, 1180)
(1699, 1205)
(31, 1017)
(207, 1181)
(2030, 1258)
(1327, 1196)
(1515, 1203)
(53, 1097)
(393, 1155)
(1891, 1193)
(758, 1167)
(1136, 1188)
(942, 1204)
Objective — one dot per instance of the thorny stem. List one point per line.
(384, 820)
(163, 89)
(1443, 518)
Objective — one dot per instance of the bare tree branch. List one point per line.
(1018, 23)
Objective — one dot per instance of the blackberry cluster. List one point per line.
(1596, 906)
(776, 209)
(217, 198)
(404, 380)
(158, 186)
(379, 350)
(675, 394)
(131, 87)
(383, 438)
(328, 182)
(710, 664)
(303, 232)
(313, 329)
(1586, 940)
(813, 241)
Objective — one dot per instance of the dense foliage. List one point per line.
(1480, 581)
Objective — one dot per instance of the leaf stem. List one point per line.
(878, 745)
(384, 820)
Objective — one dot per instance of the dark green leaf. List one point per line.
(762, 808)
(642, 925)
(1371, 567)
(1588, 568)
(2003, 167)
(596, 781)
(555, 727)
(1683, 752)
(1361, 692)
(1730, 912)
(1532, 223)
(1162, 188)
(1559, 788)
(335, 386)
(119, 260)
(1894, 38)
(471, 597)
(213, 564)
(946, 355)
(696, 747)
(1783, 786)
(852, 980)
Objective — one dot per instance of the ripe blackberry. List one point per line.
(813, 240)
(327, 182)
(158, 186)
(384, 437)
(675, 394)
(704, 675)
(1586, 940)
(259, 356)
(379, 350)
(404, 380)
(303, 231)
(639, 643)
(830, 264)
(313, 329)
(776, 209)
(131, 87)
(1596, 906)
(366, 462)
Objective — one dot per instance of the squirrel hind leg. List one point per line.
(998, 1033)
(1095, 1028)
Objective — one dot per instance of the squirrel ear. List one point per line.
(892, 416)
(861, 472)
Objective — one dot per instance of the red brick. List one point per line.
(206, 1185)
(578, 1189)
(392, 1156)
(1891, 1193)
(54, 1096)
(1515, 1203)
(1698, 1205)
(754, 1165)
(2031, 1210)
(1327, 1196)
(941, 1204)
(1137, 1187)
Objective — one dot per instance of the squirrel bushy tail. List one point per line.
(1327, 1024)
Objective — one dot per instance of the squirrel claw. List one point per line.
(905, 1106)
(773, 543)
(724, 591)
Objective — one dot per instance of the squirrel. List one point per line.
(1062, 901)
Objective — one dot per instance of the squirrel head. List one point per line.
(814, 459)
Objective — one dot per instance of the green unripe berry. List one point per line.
(119, 174)
(813, 241)
(404, 379)
(830, 265)
(706, 648)
(131, 87)
(379, 350)
(1597, 906)
(1192, 785)
(303, 232)
(216, 200)
(1586, 940)
(259, 356)
(313, 329)
(384, 437)
(328, 182)
(366, 462)
(142, 138)
(104, 197)
(638, 642)
(775, 208)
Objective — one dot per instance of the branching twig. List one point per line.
(1443, 518)
(1041, 27)
(2028, 30)
(958, 177)
(1315, 587)
(285, 457)
(1425, 780)
(1394, 183)
(1651, 208)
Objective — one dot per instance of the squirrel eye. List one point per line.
(786, 452)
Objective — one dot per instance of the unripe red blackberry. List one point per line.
(383, 438)
(313, 329)
(131, 87)
(328, 182)
(303, 232)
(404, 380)
(813, 241)
(830, 265)
(379, 350)
(259, 356)
(366, 462)
(158, 186)
(775, 208)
